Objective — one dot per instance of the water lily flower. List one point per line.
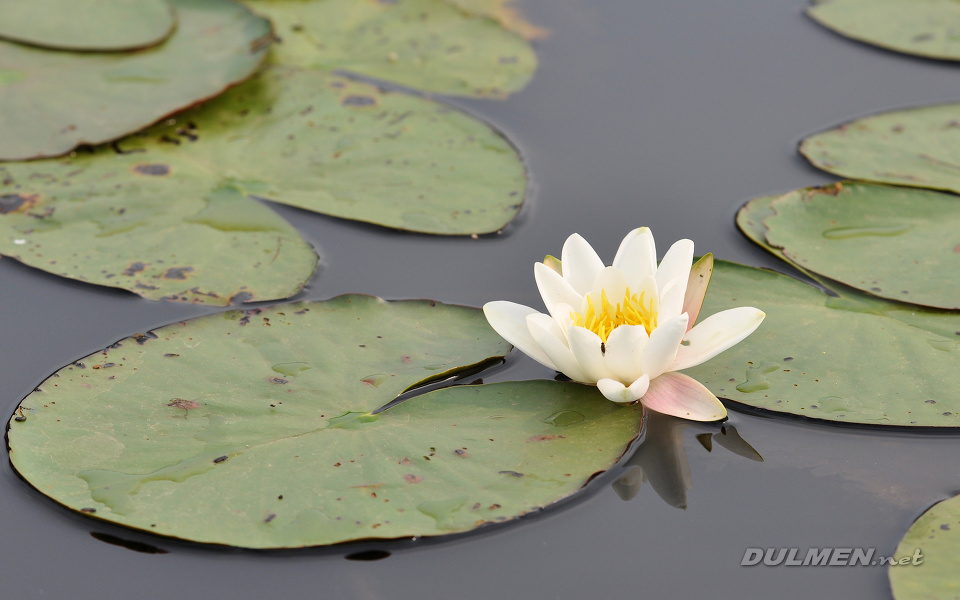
(627, 328)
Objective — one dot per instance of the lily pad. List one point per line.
(926, 559)
(428, 45)
(920, 27)
(894, 242)
(171, 244)
(504, 13)
(260, 428)
(750, 219)
(311, 140)
(217, 44)
(849, 358)
(917, 147)
(89, 25)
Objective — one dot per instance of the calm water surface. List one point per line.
(665, 114)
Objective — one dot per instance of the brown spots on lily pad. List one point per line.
(134, 268)
(177, 272)
(957, 249)
(240, 298)
(184, 404)
(17, 203)
(358, 100)
(832, 190)
(411, 478)
(375, 380)
(143, 338)
(544, 437)
(152, 169)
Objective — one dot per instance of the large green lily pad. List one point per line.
(850, 358)
(429, 45)
(257, 428)
(922, 27)
(917, 147)
(893, 242)
(931, 574)
(173, 244)
(217, 44)
(89, 25)
(311, 140)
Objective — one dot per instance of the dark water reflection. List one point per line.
(668, 114)
(661, 457)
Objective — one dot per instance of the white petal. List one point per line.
(715, 334)
(675, 265)
(661, 350)
(585, 346)
(510, 321)
(624, 347)
(639, 387)
(581, 265)
(554, 289)
(612, 281)
(562, 317)
(682, 396)
(546, 333)
(637, 256)
(671, 300)
(615, 391)
(697, 284)
(648, 287)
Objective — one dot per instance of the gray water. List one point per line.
(664, 114)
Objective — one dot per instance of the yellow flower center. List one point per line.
(603, 320)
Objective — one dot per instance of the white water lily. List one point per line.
(627, 328)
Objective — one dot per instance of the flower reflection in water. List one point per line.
(661, 459)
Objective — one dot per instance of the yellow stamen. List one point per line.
(602, 321)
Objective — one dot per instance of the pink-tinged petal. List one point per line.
(586, 347)
(675, 265)
(581, 265)
(554, 289)
(554, 263)
(613, 282)
(697, 284)
(682, 396)
(510, 321)
(661, 350)
(671, 300)
(546, 333)
(637, 256)
(615, 391)
(624, 348)
(715, 334)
